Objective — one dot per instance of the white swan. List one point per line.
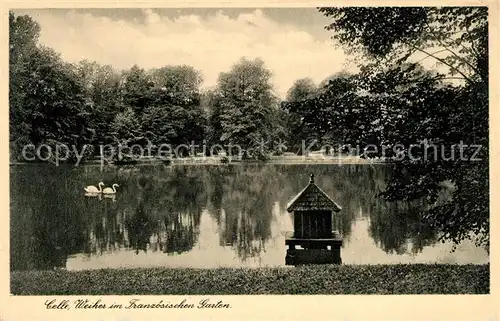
(93, 189)
(109, 190)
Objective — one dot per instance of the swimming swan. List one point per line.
(108, 190)
(93, 189)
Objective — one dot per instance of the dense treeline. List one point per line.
(87, 104)
(392, 103)
(54, 102)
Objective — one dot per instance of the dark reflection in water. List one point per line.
(206, 216)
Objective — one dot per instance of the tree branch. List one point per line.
(443, 62)
(459, 58)
(470, 50)
(451, 51)
(435, 52)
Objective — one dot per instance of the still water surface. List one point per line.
(206, 216)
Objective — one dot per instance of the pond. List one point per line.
(206, 216)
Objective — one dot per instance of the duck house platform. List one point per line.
(313, 217)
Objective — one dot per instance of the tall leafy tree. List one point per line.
(326, 114)
(125, 127)
(302, 90)
(246, 107)
(214, 111)
(175, 115)
(46, 100)
(101, 87)
(178, 85)
(445, 108)
(136, 89)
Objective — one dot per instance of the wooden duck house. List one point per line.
(314, 231)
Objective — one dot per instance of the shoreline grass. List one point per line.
(314, 279)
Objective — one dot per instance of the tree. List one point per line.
(422, 106)
(246, 106)
(174, 125)
(101, 87)
(136, 89)
(325, 115)
(125, 130)
(302, 90)
(175, 115)
(326, 81)
(213, 103)
(46, 101)
(179, 85)
(125, 124)
(23, 38)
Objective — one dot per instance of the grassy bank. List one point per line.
(326, 279)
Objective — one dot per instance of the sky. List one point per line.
(292, 41)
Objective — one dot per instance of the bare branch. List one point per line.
(458, 57)
(443, 62)
(451, 51)
(431, 56)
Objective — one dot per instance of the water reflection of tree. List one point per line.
(214, 182)
(398, 227)
(178, 200)
(159, 208)
(181, 234)
(167, 209)
(140, 227)
(51, 224)
(46, 227)
(242, 200)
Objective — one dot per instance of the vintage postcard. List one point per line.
(250, 161)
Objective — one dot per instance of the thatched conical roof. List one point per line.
(312, 198)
